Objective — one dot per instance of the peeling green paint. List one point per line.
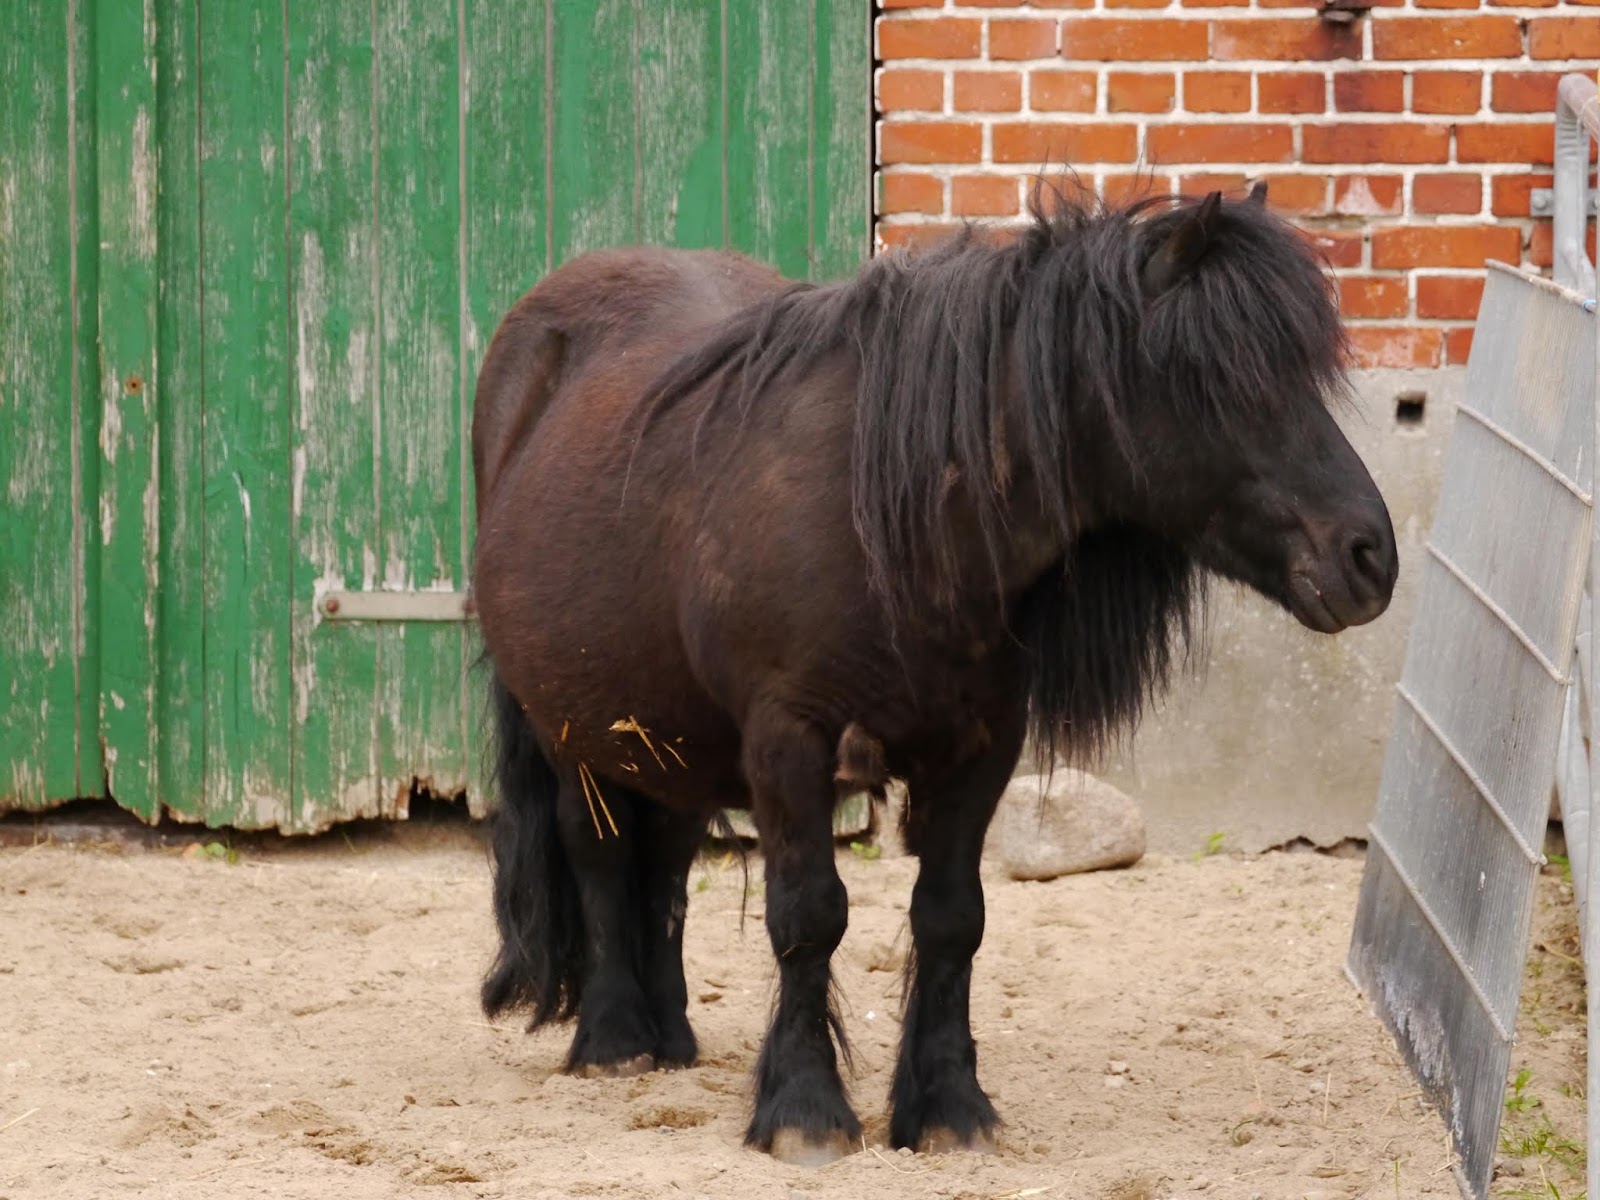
(250, 257)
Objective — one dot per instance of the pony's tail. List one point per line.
(540, 965)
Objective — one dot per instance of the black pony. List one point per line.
(745, 543)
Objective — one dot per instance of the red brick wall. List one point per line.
(1408, 141)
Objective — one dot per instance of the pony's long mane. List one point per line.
(975, 349)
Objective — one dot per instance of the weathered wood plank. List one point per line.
(47, 738)
(770, 132)
(677, 87)
(130, 468)
(506, 204)
(179, 355)
(799, 134)
(841, 157)
(420, 484)
(505, 228)
(84, 272)
(246, 429)
(593, 202)
(335, 289)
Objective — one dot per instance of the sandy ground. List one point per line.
(303, 1023)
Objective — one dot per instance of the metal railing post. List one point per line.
(1577, 122)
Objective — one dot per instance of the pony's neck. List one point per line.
(1034, 543)
(1036, 536)
(960, 476)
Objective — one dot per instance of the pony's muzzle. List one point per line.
(1351, 582)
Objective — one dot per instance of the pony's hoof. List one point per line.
(799, 1149)
(944, 1140)
(623, 1068)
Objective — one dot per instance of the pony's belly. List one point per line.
(621, 706)
(705, 781)
(673, 748)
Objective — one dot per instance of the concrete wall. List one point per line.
(1282, 734)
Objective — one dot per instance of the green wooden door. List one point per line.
(251, 253)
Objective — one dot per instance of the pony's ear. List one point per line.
(1258, 193)
(1175, 258)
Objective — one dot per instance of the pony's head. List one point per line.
(1224, 443)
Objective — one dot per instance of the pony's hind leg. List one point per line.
(801, 1114)
(540, 964)
(935, 1099)
(667, 845)
(616, 1034)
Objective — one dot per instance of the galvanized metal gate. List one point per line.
(251, 253)
(1577, 127)
(1486, 709)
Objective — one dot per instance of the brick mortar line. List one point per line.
(1354, 66)
(1369, 223)
(950, 114)
(1408, 175)
(1215, 11)
(1062, 116)
(1408, 171)
(1313, 224)
(1329, 223)
(1017, 221)
(1337, 170)
(1180, 66)
(1192, 117)
(1198, 13)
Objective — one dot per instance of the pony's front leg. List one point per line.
(801, 1114)
(935, 1099)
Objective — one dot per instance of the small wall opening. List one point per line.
(1410, 408)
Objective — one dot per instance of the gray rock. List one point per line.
(1065, 823)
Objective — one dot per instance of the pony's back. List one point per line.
(605, 298)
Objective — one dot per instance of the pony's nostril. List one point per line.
(1369, 561)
